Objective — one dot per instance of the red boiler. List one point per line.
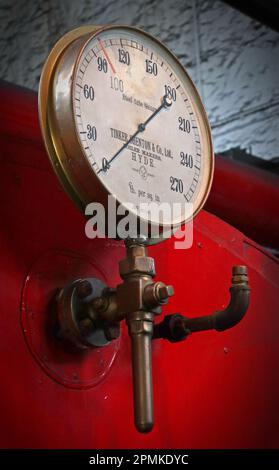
(211, 390)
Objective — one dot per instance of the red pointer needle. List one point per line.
(106, 55)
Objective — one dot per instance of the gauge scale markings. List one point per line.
(112, 85)
(161, 163)
(151, 57)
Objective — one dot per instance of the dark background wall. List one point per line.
(233, 59)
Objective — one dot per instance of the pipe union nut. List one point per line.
(141, 264)
(138, 327)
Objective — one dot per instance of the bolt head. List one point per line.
(112, 331)
(99, 303)
(85, 326)
(164, 292)
(170, 291)
(84, 289)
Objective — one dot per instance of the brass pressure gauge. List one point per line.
(120, 116)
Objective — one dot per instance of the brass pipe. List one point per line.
(239, 302)
(177, 327)
(140, 326)
(223, 319)
(89, 315)
(92, 313)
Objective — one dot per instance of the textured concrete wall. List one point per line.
(233, 59)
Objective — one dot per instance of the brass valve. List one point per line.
(89, 315)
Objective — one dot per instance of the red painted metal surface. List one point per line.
(243, 196)
(73, 369)
(247, 198)
(213, 390)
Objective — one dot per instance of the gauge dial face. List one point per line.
(141, 123)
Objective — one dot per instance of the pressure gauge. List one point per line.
(120, 116)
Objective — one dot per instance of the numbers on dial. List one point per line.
(186, 160)
(102, 65)
(151, 67)
(124, 57)
(115, 71)
(91, 132)
(105, 165)
(170, 92)
(176, 184)
(116, 84)
(88, 92)
(184, 125)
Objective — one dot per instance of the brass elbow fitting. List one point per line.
(177, 327)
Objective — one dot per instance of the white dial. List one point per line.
(120, 116)
(140, 121)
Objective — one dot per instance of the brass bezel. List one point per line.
(58, 125)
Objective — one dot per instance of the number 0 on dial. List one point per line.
(120, 116)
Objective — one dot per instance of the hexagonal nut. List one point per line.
(85, 326)
(140, 327)
(157, 293)
(99, 303)
(163, 292)
(239, 270)
(112, 331)
(84, 289)
(142, 264)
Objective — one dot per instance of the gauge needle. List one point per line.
(107, 56)
(166, 103)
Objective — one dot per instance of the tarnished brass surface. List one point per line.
(140, 326)
(89, 315)
(87, 319)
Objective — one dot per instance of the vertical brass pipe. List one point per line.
(140, 326)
